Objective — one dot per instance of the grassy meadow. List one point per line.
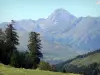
(7, 70)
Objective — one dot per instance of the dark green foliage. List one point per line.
(9, 53)
(64, 71)
(92, 69)
(14, 61)
(45, 66)
(28, 61)
(2, 45)
(11, 41)
(21, 59)
(35, 44)
(34, 48)
(2, 51)
(11, 38)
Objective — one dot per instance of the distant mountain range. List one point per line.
(63, 35)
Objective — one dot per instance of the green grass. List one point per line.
(7, 70)
(87, 60)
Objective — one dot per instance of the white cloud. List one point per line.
(98, 2)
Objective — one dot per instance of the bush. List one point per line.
(44, 66)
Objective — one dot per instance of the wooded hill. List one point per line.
(86, 64)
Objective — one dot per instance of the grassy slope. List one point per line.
(92, 57)
(7, 70)
(87, 60)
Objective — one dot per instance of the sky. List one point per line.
(35, 9)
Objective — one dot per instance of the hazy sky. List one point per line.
(34, 9)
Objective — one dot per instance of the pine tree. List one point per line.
(34, 48)
(11, 41)
(2, 45)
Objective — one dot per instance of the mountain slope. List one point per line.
(85, 34)
(61, 18)
(80, 61)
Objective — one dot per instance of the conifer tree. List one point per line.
(2, 46)
(11, 41)
(34, 48)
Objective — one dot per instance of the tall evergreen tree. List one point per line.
(11, 41)
(2, 46)
(34, 48)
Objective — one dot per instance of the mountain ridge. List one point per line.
(62, 31)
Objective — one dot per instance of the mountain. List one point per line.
(3, 25)
(81, 33)
(85, 35)
(61, 18)
(63, 35)
(80, 61)
(51, 50)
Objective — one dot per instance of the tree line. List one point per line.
(92, 69)
(9, 53)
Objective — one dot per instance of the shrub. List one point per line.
(44, 66)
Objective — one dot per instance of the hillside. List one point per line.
(7, 70)
(80, 61)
